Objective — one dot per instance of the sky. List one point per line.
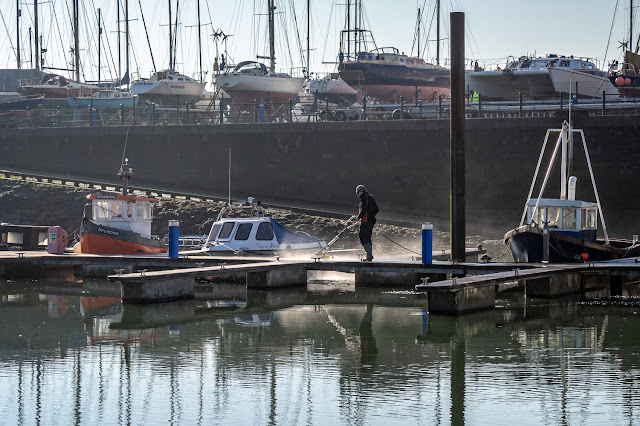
(494, 30)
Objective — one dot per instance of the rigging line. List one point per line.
(7, 29)
(144, 23)
(297, 31)
(328, 28)
(57, 21)
(615, 11)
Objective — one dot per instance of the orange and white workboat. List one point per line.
(118, 224)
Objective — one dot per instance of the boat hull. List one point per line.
(589, 84)
(99, 239)
(628, 91)
(245, 89)
(509, 84)
(168, 93)
(84, 102)
(390, 82)
(526, 247)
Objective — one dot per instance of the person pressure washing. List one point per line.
(368, 209)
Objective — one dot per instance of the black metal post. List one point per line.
(364, 108)
(439, 106)
(576, 94)
(604, 97)
(255, 109)
(401, 107)
(290, 111)
(221, 102)
(153, 114)
(479, 104)
(561, 101)
(122, 114)
(520, 103)
(177, 111)
(327, 101)
(545, 241)
(457, 138)
(187, 106)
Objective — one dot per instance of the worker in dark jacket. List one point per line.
(367, 216)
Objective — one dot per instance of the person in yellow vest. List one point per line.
(474, 96)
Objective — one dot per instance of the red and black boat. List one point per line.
(118, 224)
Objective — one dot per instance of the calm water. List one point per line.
(324, 355)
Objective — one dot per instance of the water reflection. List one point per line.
(344, 356)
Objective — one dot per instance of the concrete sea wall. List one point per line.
(405, 164)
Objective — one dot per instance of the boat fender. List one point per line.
(584, 256)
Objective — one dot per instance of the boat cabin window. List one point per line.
(227, 227)
(525, 64)
(101, 209)
(569, 219)
(537, 64)
(244, 229)
(143, 210)
(408, 61)
(265, 232)
(214, 232)
(589, 219)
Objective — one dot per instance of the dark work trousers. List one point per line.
(366, 229)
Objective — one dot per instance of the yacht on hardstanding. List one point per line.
(168, 87)
(250, 81)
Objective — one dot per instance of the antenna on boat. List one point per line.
(125, 173)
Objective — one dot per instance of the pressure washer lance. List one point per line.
(322, 253)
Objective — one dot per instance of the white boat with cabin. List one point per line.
(255, 233)
(168, 87)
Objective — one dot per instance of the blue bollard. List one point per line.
(427, 243)
(174, 233)
(262, 113)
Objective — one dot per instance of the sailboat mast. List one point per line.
(272, 47)
(630, 24)
(419, 19)
(170, 40)
(99, 44)
(119, 54)
(76, 41)
(438, 32)
(35, 30)
(18, 33)
(356, 45)
(308, 26)
(348, 28)
(199, 42)
(126, 41)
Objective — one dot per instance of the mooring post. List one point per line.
(545, 242)
(121, 114)
(427, 243)
(457, 138)
(290, 111)
(187, 107)
(520, 104)
(221, 101)
(401, 107)
(604, 97)
(439, 106)
(364, 108)
(174, 234)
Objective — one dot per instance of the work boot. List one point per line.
(369, 250)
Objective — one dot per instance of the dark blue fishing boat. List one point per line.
(564, 229)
